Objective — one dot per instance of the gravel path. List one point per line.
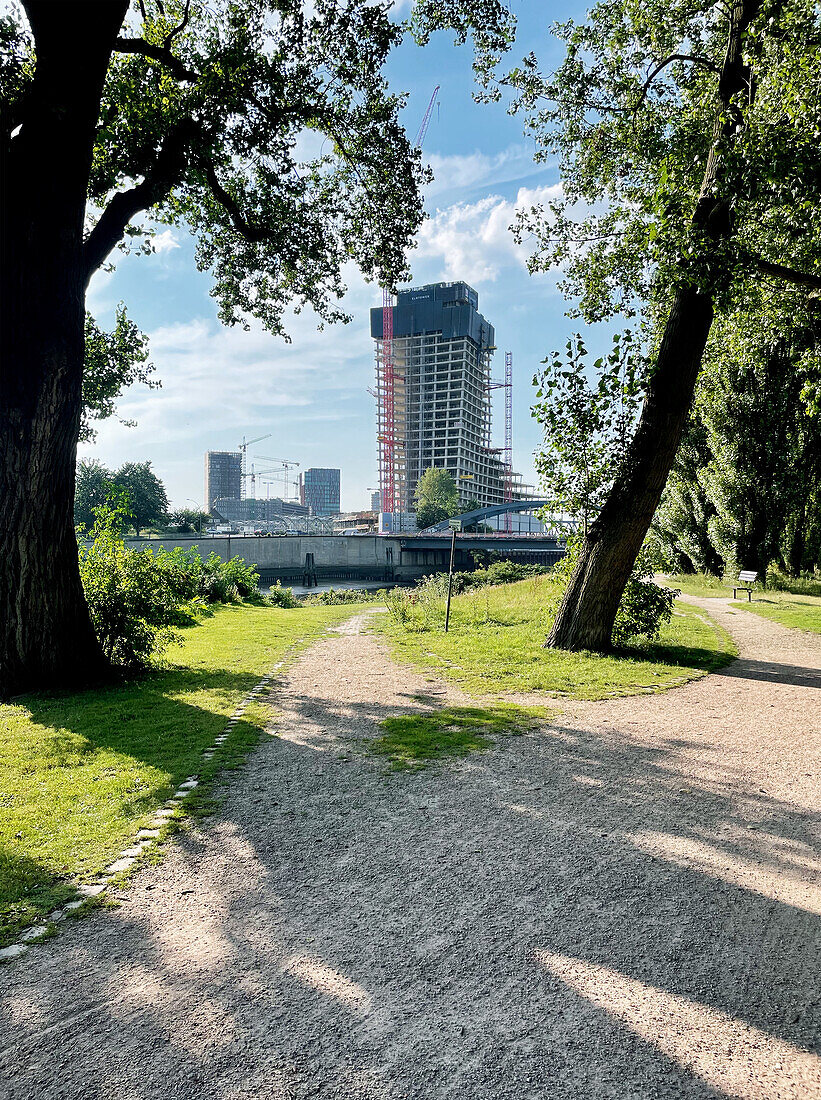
(625, 904)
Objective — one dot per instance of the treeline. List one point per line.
(745, 491)
(140, 495)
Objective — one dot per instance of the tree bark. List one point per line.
(46, 636)
(588, 609)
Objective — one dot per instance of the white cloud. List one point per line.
(462, 172)
(473, 241)
(165, 241)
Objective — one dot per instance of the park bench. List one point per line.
(746, 580)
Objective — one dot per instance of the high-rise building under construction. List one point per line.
(433, 388)
(223, 477)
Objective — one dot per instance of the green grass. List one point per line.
(800, 612)
(79, 774)
(411, 741)
(699, 584)
(495, 646)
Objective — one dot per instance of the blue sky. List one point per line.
(219, 384)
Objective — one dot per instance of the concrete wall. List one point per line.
(283, 557)
(357, 557)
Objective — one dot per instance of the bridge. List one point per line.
(557, 524)
(388, 558)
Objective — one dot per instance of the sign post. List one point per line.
(455, 525)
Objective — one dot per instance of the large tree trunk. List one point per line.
(591, 600)
(588, 610)
(46, 637)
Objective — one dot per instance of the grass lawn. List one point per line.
(495, 646)
(698, 584)
(802, 612)
(79, 774)
(411, 741)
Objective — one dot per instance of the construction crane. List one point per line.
(243, 449)
(389, 486)
(508, 449)
(286, 464)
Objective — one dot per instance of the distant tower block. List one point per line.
(433, 396)
(223, 477)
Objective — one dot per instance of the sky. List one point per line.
(311, 395)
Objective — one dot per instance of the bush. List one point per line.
(498, 572)
(133, 604)
(137, 597)
(282, 597)
(805, 585)
(420, 607)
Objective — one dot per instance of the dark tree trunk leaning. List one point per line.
(46, 637)
(588, 610)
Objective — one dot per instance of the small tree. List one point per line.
(188, 520)
(437, 497)
(588, 413)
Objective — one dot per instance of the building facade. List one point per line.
(319, 491)
(223, 477)
(433, 396)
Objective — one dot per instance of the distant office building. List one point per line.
(319, 491)
(251, 510)
(433, 397)
(376, 501)
(223, 477)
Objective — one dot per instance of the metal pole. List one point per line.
(450, 577)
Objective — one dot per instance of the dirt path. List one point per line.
(625, 904)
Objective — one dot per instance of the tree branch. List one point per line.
(248, 232)
(168, 170)
(694, 59)
(787, 274)
(162, 54)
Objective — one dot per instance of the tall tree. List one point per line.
(93, 485)
(146, 502)
(764, 470)
(687, 135)
(193, 112)
(436, 496)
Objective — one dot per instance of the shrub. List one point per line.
(133, 604)
(137, 597)
(418, 608)
(498, 572)
(282, 597)
(805, 585)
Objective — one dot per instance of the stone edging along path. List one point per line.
(145, 838)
